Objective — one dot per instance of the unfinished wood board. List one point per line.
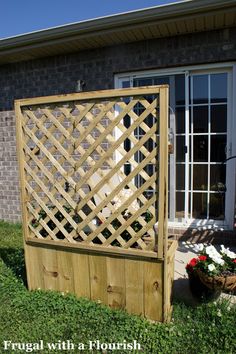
(134, 284)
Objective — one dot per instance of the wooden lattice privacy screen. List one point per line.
(79, 168)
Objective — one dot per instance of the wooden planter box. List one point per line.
(70, 245)
(142, 286)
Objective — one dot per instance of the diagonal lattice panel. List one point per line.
(85, 171)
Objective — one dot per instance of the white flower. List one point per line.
(211, 267)
(223, 249)
(210, 250)
(231, 254)
(227, 252)
(218, 260)
(198, 247)
(214, 255)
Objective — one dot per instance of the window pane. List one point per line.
(199, 205)
(200, 148)
(200, 89)
(218, 146)
(180, 120)
(219, 119)
(139, 109)
(180, 153)
(200, 119)
(218, 175)
(127, 121)
(180, 89)
(127, 144)
(127, 169)
(179, 205)
(150, 120)
(180, 177)
(149, 169)
(219, 87)
(150, 145)
(217, 206)
(143, 82)
(165, 80)
(200, 173)
(125, 84)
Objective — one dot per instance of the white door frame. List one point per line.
(231, 128)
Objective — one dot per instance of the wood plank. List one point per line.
(134, 284)
(145, 90)
(34, 267)
(81, 274)
(50, 269)
(153, 290)
(21, 158)
(65, 271)
(98, 278)
(168, 295)
(172, 246)
(163, 175)
(94, 248)
(115, 282)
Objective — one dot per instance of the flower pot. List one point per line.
(221, 282)
(199, 290)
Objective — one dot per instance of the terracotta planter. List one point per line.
(226, 283)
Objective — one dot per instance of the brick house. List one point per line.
(191, 46)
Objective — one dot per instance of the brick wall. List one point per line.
(57, 75)
(9, 188)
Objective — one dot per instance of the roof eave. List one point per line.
(133, 18)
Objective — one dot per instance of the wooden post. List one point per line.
(21, 159)
(163, 174)
(163, 197)
(23, 193)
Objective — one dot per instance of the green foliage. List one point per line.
(135, 225)
(30, 316)
(60, 217)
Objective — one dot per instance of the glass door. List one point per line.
(207, 145)
(198, 111)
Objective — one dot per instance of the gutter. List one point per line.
(132, 18)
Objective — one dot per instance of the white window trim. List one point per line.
(231, 177)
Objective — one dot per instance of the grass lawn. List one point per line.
(28, 317)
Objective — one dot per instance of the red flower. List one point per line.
(193, 262)
(189, 268)
(202, 258)
(234, 260)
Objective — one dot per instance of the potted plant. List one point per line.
(212, 271)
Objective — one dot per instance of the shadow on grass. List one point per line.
(14, 259)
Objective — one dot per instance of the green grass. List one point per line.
(28, 317)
